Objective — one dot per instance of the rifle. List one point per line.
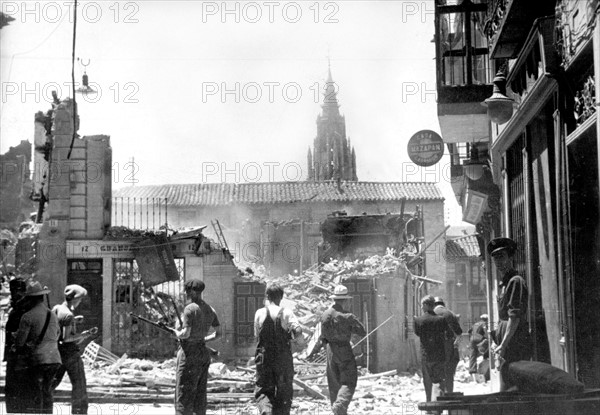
(164, 327)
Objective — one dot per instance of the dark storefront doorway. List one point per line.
(585, 245)
(88, 274)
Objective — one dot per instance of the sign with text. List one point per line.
(425, 148)
(155, 260)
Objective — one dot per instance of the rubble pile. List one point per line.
(309, 292)
(231, 388)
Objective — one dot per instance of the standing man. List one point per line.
(337, 328)
(16, 376)
(512, 335)
(274, 327)
(37, 336)
(478, 343)
(68, 346)
(431, 330)
(193, 357)
(452, 338)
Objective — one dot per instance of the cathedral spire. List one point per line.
(332, 157)
(330, 102)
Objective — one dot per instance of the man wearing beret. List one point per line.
(68, 346)
(193, 357)
(512, 335)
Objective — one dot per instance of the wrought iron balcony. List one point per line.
(508, 22)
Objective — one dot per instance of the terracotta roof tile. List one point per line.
(217, 194)
(463, 247)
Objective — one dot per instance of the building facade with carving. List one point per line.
(527, 166)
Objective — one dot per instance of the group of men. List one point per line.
(41, 346)
(439, 331)
(438, 328)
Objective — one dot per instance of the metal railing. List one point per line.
(149, 213)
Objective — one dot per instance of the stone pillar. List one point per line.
(51, 253)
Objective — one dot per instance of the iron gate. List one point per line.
(162, 302)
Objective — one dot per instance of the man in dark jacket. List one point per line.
(16, 385)
(337, 328)
(431, 330)
(452, 338)
(274, 327)
(38, 333)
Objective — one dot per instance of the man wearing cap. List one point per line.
(478, 343)
(16, 378)
(512, 335)
(337, 328)
(193, 357)
(274, 327)
(431, 330)
(38, 335)
(452, 338)
(68, 346)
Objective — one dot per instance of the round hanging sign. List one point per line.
(425, 148)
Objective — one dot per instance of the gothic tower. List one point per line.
(333, 157)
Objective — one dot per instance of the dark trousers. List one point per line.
(17, 386)
(473, 358)
(452, 359)
(72, 364)
(433, 372)
(342, 376)
(42, 377)
(191, 377)
(274, 382)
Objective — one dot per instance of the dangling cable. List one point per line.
(73, 81)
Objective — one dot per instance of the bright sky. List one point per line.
(202, 91)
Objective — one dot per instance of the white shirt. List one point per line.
(288, 319)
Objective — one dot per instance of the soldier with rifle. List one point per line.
(193, 357)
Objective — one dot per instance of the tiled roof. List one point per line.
(464, 247)
(282, 192)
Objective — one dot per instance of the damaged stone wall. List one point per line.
(15, 186)
(77, 189)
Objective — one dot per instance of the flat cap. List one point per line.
(74, 291)
(499, 244)
(194, 285)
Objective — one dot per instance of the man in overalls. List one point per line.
(337, 328)
(193, 357)
(274, 327)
